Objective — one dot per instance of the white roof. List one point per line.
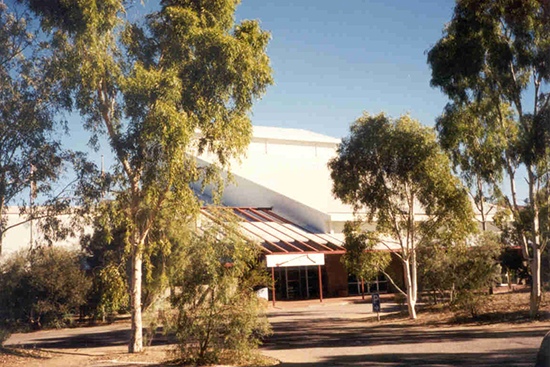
(288, 134)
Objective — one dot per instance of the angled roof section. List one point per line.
(275, 234)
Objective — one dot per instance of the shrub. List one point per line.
(468, 303)
(464, 272)
(41, 287)
(218, 312)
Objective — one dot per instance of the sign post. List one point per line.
(376, 304)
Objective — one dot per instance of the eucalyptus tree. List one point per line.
(150, 87)
(477, 141)
(30, 153)
(498, 52)
(393, 170)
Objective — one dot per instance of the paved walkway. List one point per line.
(338, 334)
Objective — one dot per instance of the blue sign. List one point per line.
(375, 302)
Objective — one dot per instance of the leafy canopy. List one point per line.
(394, 168)
(151, 87)
(30, 151)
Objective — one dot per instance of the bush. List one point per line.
(468, 303)
(218, 312)
(460, 267)
(42, 287)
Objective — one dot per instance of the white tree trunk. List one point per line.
(136, 341)
(535, 260)
(410, 289)
(536, 291)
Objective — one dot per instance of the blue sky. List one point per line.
(333, 60)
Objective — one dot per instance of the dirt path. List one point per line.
(98, 346)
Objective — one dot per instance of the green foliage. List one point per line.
(41, 287)
(106, 257)
(461, 267)
(389, 166)
(464, 270)
(478, 137)
(492, 48)
(30, 152)
(217, 310)
(360, 258)
(150, 87)
(394, 169)
(492, 62)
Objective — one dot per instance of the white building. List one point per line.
(284, 172)
(286, 169)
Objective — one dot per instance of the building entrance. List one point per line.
(299, 282)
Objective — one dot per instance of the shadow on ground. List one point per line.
(300, 334)
(516, 358)
(94, 340)
(334, 333)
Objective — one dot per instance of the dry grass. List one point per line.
(18, 356)
(512, 307)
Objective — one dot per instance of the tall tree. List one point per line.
(30, 153)
(149, 87)
(477, 140)
(395, 170)
(498, 51)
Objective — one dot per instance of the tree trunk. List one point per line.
(136, 341)
(536, 293)
(535, 260)
(2, 224)
(414, 275)
(411, 296)
(481, 203)
(362, 288)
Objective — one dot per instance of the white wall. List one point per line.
(19, 237)
(292, 163)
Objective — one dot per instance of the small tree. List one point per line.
(394, 169)
(360, 258)
(217, 311)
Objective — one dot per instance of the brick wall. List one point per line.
(337, 276)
